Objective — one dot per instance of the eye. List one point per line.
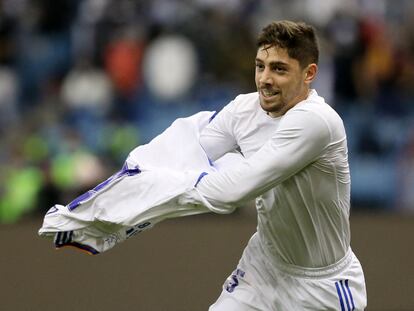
(279, 69)
(259, 66)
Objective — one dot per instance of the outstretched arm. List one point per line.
(299, 140)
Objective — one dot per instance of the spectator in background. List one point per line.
(9, 84)
(44, 27)
(123, 60)
(376, 65)
(123, 57)
(8, 98)
(87, 93)
(405, 195)
(343, 33)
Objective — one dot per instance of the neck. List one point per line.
(293, 103)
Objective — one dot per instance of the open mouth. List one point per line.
(268, 93)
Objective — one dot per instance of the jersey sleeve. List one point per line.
(300, 139)
(217, 137)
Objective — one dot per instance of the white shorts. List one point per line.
(258, 285)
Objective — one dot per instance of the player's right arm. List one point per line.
(300, 139)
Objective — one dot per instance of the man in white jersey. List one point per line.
(296, 166)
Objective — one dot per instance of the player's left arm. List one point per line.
(300, 139)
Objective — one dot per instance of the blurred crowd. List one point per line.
(83, 82)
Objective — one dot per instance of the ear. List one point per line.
(310, 73)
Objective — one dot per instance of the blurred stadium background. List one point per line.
(82, 82)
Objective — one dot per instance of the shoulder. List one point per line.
(244, 103)
(248, 97)
(316, 105)
(315, 113)
(235, 111)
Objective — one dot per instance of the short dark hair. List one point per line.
(298, 38)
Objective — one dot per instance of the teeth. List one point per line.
(269, 93)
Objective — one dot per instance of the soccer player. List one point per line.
(295, 165)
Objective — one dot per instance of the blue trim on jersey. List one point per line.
(200, 177)
(64, 238)
(213, 116)
(345, 295)
(350, 294)
(338, 290)
(208, 158)
(125, 171)
(83, 247)
(52, 210)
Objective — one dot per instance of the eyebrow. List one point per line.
(277, 63)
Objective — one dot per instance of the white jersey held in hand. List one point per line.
(143, 193)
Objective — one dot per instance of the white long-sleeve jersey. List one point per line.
(296, 167)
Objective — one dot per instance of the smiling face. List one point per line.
(280, 80)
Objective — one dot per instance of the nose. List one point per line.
(265, 77)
